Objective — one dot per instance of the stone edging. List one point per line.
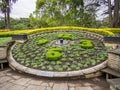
(16, 66)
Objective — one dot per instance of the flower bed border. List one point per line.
(81, 73)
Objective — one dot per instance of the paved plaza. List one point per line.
(12, 80)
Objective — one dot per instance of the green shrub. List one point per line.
(65, 36)
(41, 42)
(56, 49)
(106, 32)
(54, 54)
(86, 44)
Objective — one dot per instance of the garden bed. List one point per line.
(73, 56)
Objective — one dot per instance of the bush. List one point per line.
(19, 27)
(56, 49)
(41, 42)
(86, 44)
(54, 54)
(105, 32)
(65, 36)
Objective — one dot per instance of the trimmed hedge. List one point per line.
(114, 30)
(86, 44)
(65, 36)
(54, 54)
(105, 32)
(41, 42)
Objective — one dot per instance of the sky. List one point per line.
(22, 8)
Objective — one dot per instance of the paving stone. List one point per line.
(87, 84)
(22, 81)
(33, 87)
(72, 88)
(75, 83)
(35, 82)
(84, 88)
(17, 87)
(48, 88)
(71, 84)
(5, 79)
(16, 76)
(51, 84)
(6, 86)
(62, 86)
(97, 88)
(2, 74)
(2, 84)
(45, 84)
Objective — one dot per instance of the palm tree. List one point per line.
(5, 7)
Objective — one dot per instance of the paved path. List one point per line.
(11, 80)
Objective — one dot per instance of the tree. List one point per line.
(116, 15)
(5, 7)
(113, 11)
(63, 12)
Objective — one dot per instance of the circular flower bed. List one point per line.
(41, 52)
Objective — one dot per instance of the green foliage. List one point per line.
(20, 24)
(5, 39)
(63, 12)
(54, 54)
(65, 36)
(86, 44)
(99, 31)
(65, 58)
(56, 49)
(41, 42)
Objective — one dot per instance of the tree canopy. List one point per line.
(63, 12)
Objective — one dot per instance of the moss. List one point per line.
(41, 42)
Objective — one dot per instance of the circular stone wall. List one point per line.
(75, 59)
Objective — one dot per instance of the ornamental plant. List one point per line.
(54, 54)
(65, 36)
(86, 44)
(41, 42)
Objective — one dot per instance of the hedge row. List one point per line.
(114, 30)
(99, 31)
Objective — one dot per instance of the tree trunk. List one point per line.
(110, 13)
(5, 20)
(8, 14)
(116, 14)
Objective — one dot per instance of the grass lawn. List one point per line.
(4, 40)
